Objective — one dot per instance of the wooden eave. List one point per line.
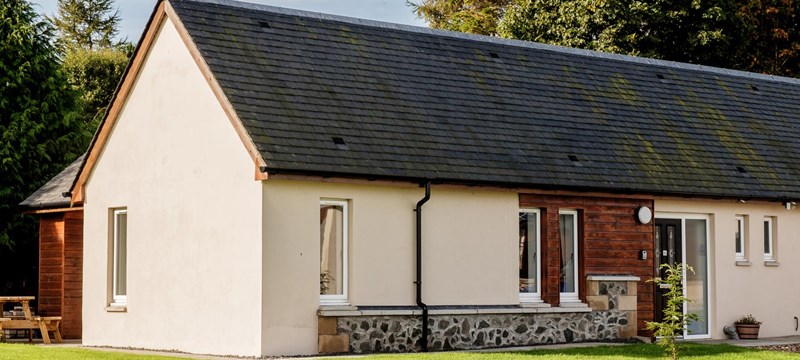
(162, 11)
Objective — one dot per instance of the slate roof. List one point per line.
(322, 94)
(51, 194)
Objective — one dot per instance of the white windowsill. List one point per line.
(771, 263)
(117, 308)
(546, 308)
(742, 263)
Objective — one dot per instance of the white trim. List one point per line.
(613, 278)
(535, 297)
(572, 296)
(770, 240)
(740, 224)
(340, 299)
(117, 299)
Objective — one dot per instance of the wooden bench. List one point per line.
(2, 333)
(29, 322)
(44, 324)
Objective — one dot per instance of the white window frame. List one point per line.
(535, 297)
(770, 240)
(569, 297)
(116, 298)
(740, 224)
(340, 299)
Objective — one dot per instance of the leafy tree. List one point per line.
(674, 319)
(86, 24)
(471, 16)
(94, 74)
(93, 60)
(752, 35)
(698, 31)
(774, 33)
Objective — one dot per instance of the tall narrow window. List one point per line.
(333, 241)
(568, 228)
(119, 276)
(740, 238)
(529, 278)
(769, 241)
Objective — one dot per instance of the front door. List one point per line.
(668, 251)
(683, 239)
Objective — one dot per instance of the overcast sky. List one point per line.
(135, 13)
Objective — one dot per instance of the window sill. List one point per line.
(116, 308)
(460, 310)
(771, 263)
(742, 263)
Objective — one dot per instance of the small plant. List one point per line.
(748, 319)
(674, 319)
(324, 279)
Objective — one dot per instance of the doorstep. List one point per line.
(761, 341)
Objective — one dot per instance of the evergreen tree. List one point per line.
(86, 24)
(40, 134)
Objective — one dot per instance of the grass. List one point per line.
(34, 352)
(638, 351)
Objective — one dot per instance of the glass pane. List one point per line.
(528, 237)
(738, 236)
(697, 283)
(121, 254)
(767, 247)
(331, 266)
(567, 225)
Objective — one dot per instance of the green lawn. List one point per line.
(640, 351)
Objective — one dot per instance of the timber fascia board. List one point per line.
(162, 11)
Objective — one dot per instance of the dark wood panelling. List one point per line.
(611, 239)
(61, 269)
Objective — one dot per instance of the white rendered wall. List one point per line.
(470, 250)
(194, 218)
(770, 293)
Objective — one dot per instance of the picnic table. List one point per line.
(28, 321)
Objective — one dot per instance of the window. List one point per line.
(119, 276)
(333, 239)
(769, 241)
(740, 238)
(529, 240)
(568, 229)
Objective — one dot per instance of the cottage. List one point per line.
(271, 181)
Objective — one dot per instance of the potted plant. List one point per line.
(747, 326)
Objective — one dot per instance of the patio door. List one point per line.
(684, 239)
(668, 251)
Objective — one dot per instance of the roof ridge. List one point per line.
(501, 41)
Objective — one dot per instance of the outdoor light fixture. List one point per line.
(789, 205)
(644, 215)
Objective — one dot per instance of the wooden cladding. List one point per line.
(609, 241)
(61, 269)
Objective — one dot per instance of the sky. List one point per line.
(135, 13)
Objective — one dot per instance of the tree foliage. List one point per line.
(86, 24)
(40, 132)
(674, 319)
(93, 59)
(470, 16)
(94, 74)
(752, 35)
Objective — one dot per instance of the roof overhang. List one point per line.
(163, 11)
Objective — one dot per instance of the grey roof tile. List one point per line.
(419, 103)
(50, 195)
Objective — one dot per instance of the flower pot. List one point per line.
(747, 331)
